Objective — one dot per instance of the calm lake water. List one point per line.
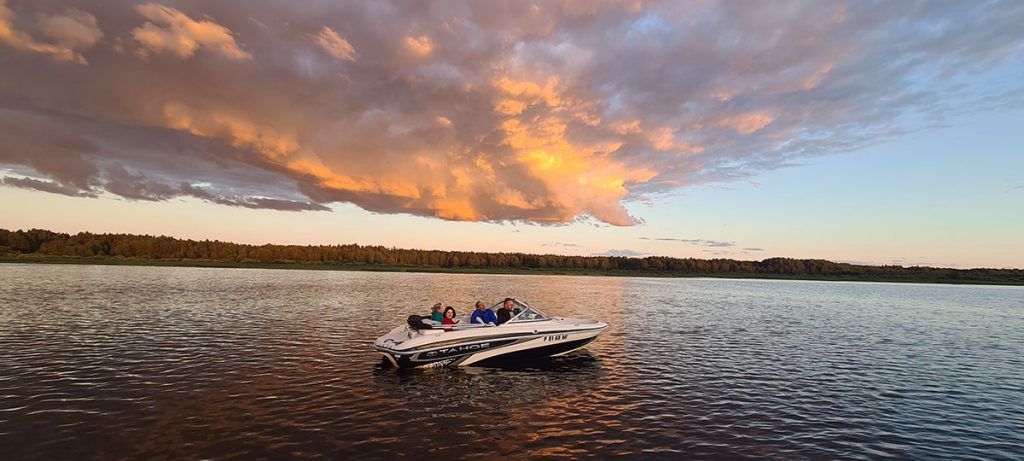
(104, 362)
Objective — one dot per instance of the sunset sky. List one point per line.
(882, 133)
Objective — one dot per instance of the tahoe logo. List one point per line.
(456, 350)
(555, 337)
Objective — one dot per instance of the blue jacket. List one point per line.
(487, 316)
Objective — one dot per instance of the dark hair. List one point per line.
(508, 299)
(449, 308)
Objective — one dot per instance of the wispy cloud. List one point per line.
(904, 261)
(335, 45)
(251, 201)
(46, 186)
(753, 249)
(558, 244)
(623, 252)
(546, 112)
(698, 242)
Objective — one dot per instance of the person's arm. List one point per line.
(475, 317)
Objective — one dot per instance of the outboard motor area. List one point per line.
(417, 322)
(395, 337)
(416, 327)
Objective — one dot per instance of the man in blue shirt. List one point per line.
(483, 315)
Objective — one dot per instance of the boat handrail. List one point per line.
(466, 325)
(457, 326)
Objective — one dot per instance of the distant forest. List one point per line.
(44, 245)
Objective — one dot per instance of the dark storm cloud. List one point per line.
(500, 111)
(251, 202)
(52, 187)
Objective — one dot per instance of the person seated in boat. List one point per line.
(449, 317)
(435, 313)
(483, 315)
(506, 312)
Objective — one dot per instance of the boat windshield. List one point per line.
(529, 315)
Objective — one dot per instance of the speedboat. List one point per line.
(529, 334)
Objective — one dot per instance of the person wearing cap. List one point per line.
(435, 313)
(483, 315)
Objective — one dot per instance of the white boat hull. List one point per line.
(407, 347)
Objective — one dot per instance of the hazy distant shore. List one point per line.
(119, 261)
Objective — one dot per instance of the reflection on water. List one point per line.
(133, 362)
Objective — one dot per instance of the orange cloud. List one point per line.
(420, 46)
(530, 92)
(747, 123)
(577, 178)
(664, 140)
(237, 130)
(335, 45)
(628, 127)
(73, 32)
(171, 31)
(507, 106)
(815, 79)
(546, 112)
(580, 178)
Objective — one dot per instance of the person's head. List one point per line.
(436, 308)
(449, 312)
(509, 303)
(480, 306)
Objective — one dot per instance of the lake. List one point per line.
(109, 362)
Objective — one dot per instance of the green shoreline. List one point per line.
(115, 261)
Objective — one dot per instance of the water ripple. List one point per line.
(130, 362)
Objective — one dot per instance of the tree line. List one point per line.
(46, 243)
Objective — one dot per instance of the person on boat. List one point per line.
(505, 312)
(449, 317)
(483, 315)
(435, 313)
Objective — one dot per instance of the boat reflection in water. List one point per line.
(529, 334)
